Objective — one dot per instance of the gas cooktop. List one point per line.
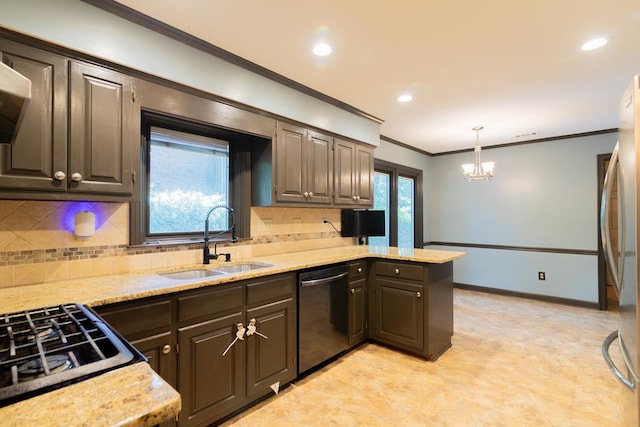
(48, 348)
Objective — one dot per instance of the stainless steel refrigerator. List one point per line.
(622, 261)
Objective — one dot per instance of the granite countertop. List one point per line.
(129, 396)
(135, 395)
(96, 291)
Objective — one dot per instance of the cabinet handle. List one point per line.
(166, 349)
(418, 294)
(76, 177)
(59, 175)
(397, 271)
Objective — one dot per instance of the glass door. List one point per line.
(396, 191)
(381, 201)
(406, 212)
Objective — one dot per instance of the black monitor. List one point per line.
(360, 222)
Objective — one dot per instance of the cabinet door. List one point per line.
(40, 149)
(344, 159)
(289, 167)
(400, 313)
(319, 174)
(104, 129)
(211, 385)
(160, 353)
(357, 317)
(271, 359)
(364, 175)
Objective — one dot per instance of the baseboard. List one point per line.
(510, 293)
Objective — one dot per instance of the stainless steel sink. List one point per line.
(192, 274)
(200, 273)
(242, 267)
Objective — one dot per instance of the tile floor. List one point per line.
(514, 362)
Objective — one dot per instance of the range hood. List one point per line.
(15, 93)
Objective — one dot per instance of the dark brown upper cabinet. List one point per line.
(104, 128)
(84, 151)
(353, 174)
(303, 165)
(40, 149)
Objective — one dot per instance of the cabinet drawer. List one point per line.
(357, 269)
(270, 289)
(400, 270)
(134, 318)
(209, 303)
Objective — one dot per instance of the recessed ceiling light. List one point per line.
(405, 98)
(322, 49)
(594, 44)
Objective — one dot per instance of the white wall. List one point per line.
(543, 195)
(406, 157)
(82, 27)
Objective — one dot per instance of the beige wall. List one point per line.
(37, 243)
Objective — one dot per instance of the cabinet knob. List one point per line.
(166, 349)
(355, 198)
(359, 269)
(397, 271)
(76, 177)
(418, 294)
(306, 194)
(310, 193)
(353, 291)
(59, 175)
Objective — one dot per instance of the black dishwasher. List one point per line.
(323, 315)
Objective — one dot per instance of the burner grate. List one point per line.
(50, 347)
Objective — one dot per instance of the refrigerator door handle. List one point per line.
(629, 382)
(605, 233)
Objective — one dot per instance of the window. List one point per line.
(187, 168)
(397, 191)
(188, 175)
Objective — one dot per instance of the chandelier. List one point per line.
(476, 171)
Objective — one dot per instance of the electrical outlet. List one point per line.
(542, 275)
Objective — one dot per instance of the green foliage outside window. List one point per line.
(184, 211)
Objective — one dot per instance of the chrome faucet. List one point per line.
(207, 256)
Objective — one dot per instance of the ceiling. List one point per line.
(514, 67)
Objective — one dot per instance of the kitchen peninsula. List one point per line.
(407, 273)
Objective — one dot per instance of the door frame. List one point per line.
(395, 170)
(602, 266)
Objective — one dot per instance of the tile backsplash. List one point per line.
(37, 243)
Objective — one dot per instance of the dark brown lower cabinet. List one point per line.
(147, 324)
(400, 313)
(210, 384)
(357, 302)
(271, 359)
(412, 306)
(157, 349)
(184, 338)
